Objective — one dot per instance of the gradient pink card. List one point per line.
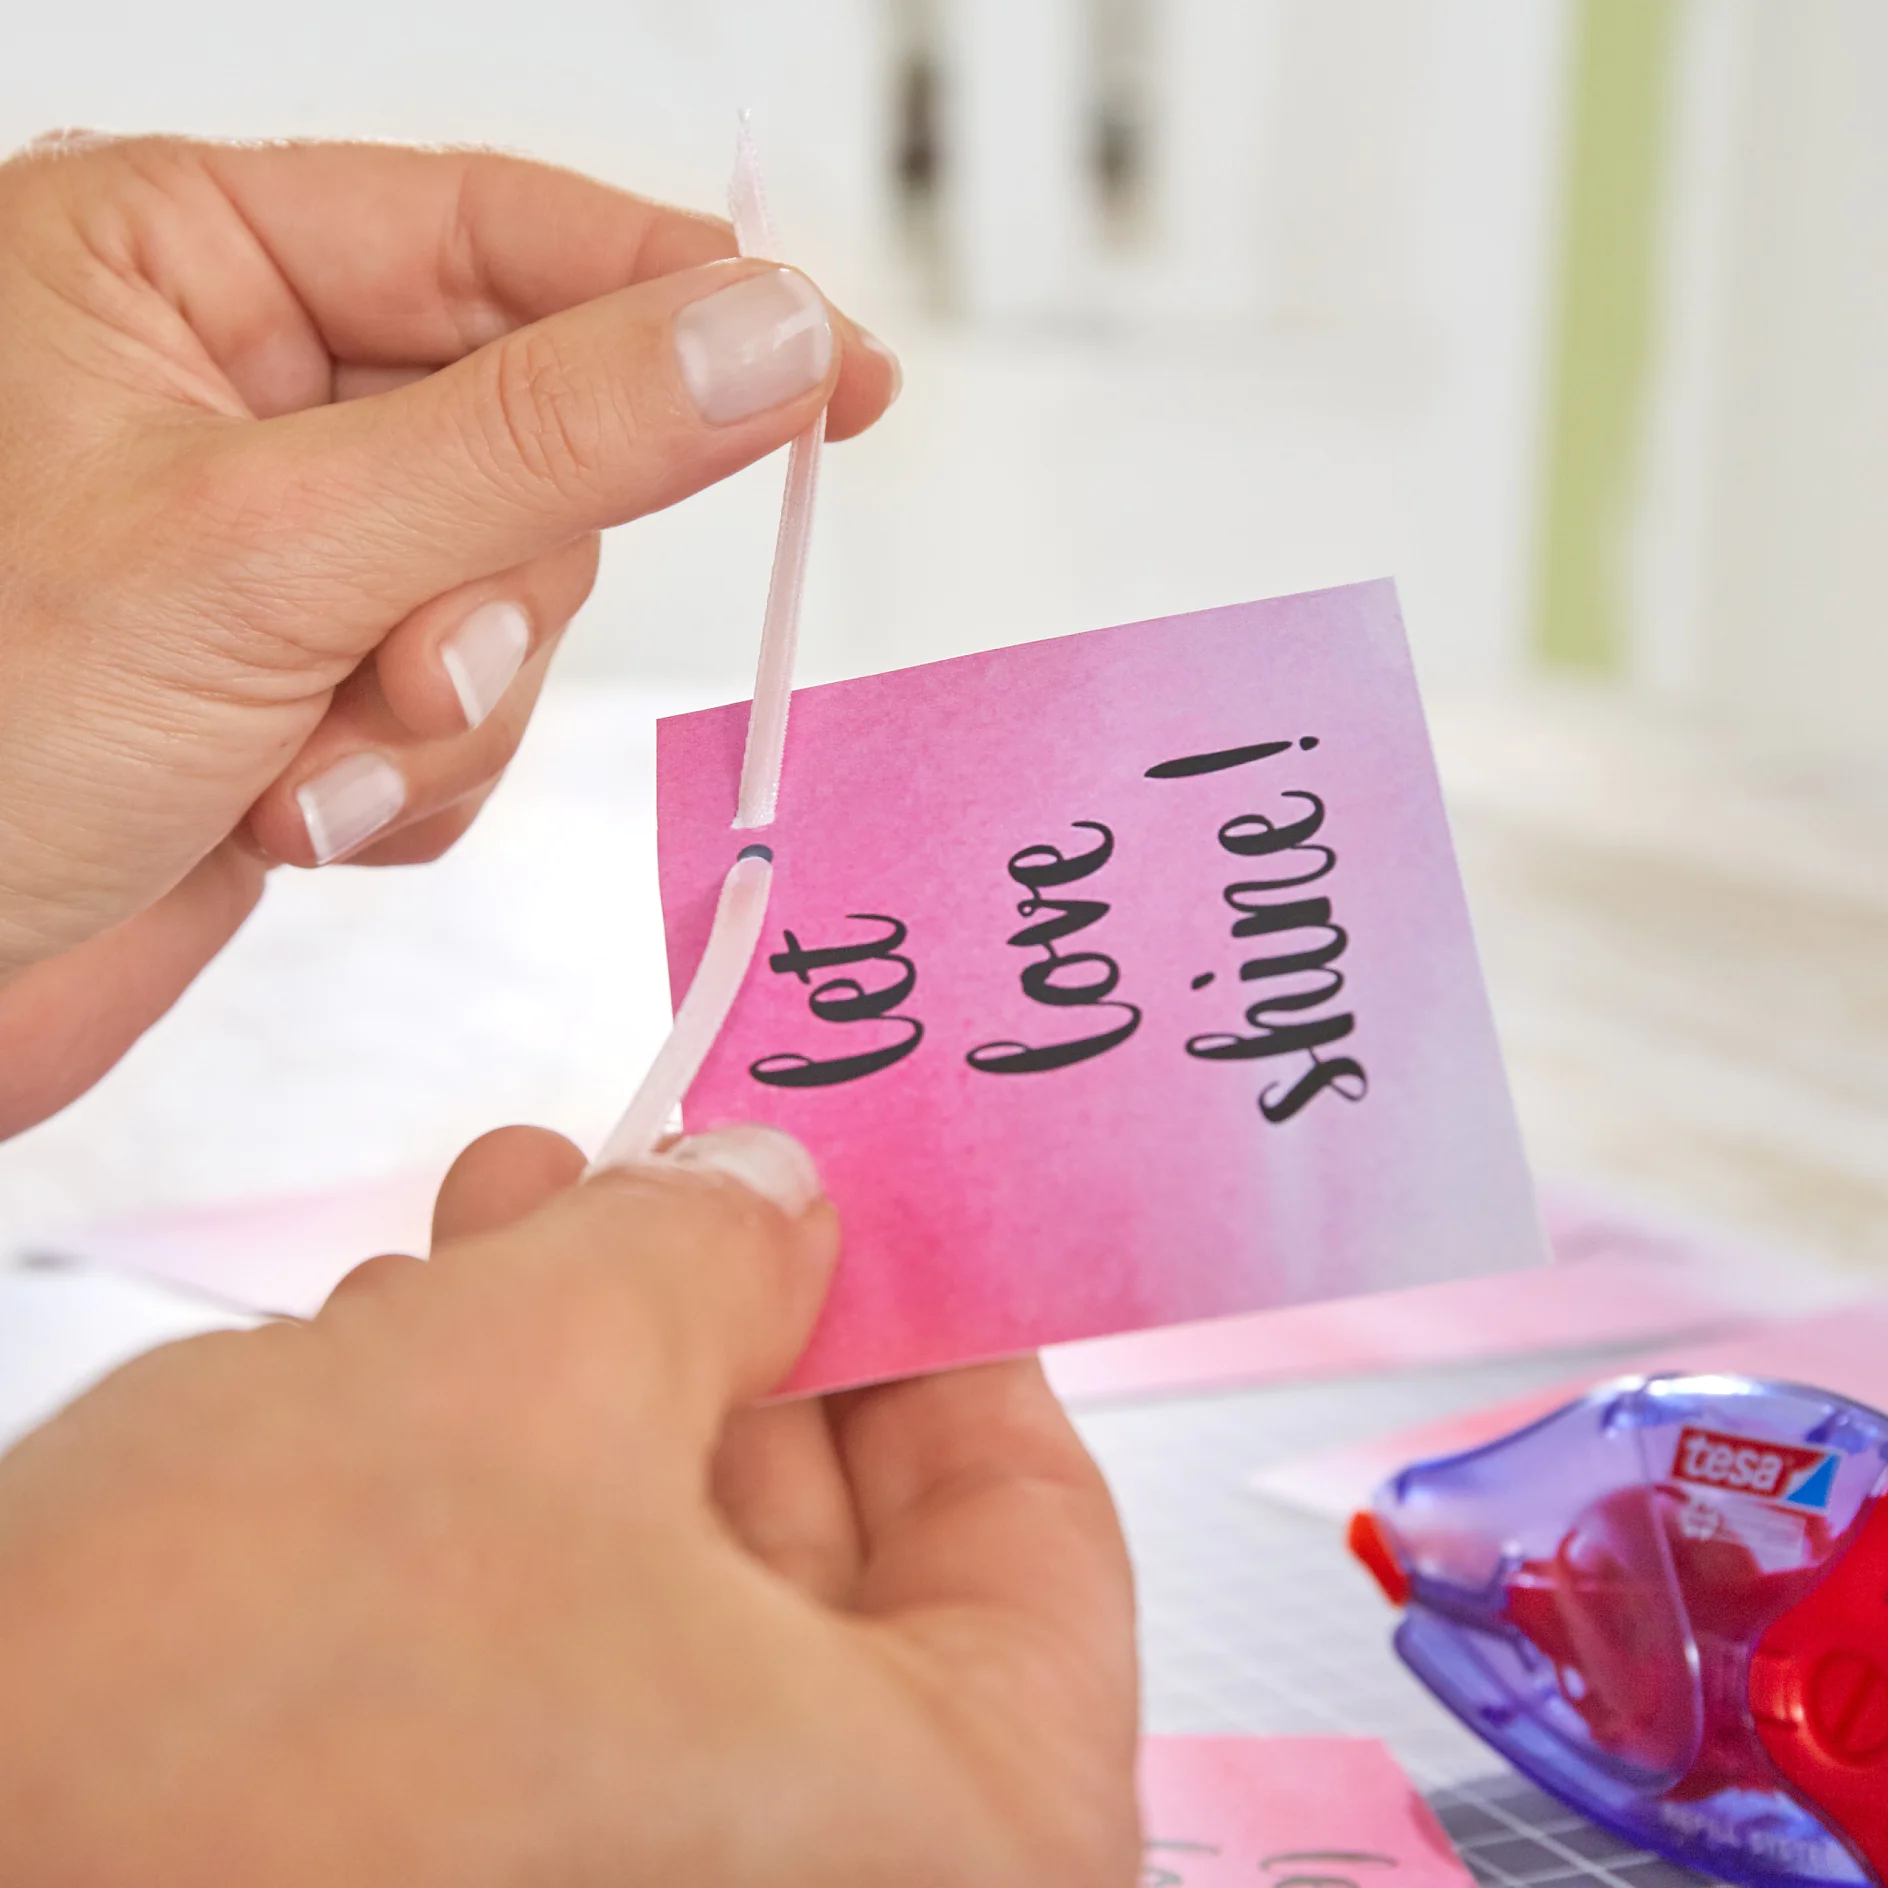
(1115, 981)
(1328, 1812)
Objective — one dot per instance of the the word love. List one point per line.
(1061, 979)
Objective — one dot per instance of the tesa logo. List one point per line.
(1801, 1477)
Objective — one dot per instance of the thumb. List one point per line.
(600, 414)
(691, 1279)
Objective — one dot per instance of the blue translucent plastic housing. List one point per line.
(1589, 1593)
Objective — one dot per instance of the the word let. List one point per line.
(847, 999)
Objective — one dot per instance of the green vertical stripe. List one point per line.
(1599, 371)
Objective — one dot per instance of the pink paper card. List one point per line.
(1845, 1351)
(282, 1254)
(1336, 1812)
(1114, 981)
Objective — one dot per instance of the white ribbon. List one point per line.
(741, 910)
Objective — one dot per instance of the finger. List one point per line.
(362, 778)
(294, 263)
(65, 1021)
(371, 1275)
(288, 258)
(778, 1482)
(502, 1177)
(401, 258)
(498, 1180)
(683, 1286)
(427, 839)
(972, 1488)
(364, 510)
(400, 255)
(992, 1549)
(448, 665)
(870, 379)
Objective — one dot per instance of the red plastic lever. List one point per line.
(1819, 1693)
(1367, 1540)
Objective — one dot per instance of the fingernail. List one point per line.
(873, 345)
(745, 348)
(345, 806)
(773, 1164)
(483, 656)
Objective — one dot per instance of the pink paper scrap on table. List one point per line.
(1617, 1280)
(281, 1254)
(1114, 981)
(1283, 1810)
(1845, 1350)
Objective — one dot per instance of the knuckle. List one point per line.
(531, 1346)
(63, 146)
(542, 423)
(48, 148)
(596, 1316)
(672, 1241)
(259, 520)
(592, 1311)
(243, 497)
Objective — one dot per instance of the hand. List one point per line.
(303, 453)
(492, 1575)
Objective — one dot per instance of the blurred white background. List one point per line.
(1570, 314)
(1202, 299)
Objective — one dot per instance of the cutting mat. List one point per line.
(1255, 1619)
